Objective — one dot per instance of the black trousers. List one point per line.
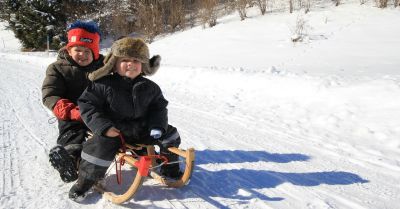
(99, 152)
(72, 135)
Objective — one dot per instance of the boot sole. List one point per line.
(63, 163)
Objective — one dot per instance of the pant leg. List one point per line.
(170, 139)
(97, 155)
(71, 136)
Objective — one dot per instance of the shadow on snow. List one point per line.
(238, 184)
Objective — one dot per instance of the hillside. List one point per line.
(275, 124)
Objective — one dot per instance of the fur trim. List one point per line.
(109, 63)
(152, 67)
(128, 47)
(131, 47)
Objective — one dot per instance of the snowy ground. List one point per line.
(275, 125)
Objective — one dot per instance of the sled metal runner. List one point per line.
(137, 181)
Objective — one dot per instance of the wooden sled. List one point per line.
(143, 170)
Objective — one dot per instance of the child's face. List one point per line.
(81, 55)
(128, 67)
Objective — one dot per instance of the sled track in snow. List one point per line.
(37, 139)
(286, 137)
(28, 91)
(11, 180)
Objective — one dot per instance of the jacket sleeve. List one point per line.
(158, 112)
(53, 87)
(91, 105)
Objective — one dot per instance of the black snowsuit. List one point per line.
(65, 79)
(134, 106)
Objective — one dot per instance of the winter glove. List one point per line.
(62, 109)
(66, 110)
(75, 114)
(155, 133)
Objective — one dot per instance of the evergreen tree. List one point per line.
(34, 21)
(3, 10)
(84, 9)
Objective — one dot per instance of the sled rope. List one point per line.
(118, 168)
(121, 161)
(166, 163)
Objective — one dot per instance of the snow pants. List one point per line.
(72, 134)
(99, 152)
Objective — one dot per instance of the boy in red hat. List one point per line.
(65, 81)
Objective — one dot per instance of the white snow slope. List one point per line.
(274, 124)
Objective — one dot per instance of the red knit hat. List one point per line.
(82, 37)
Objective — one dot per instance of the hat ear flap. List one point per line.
(109, 63)
(109, 55)
(152, 67)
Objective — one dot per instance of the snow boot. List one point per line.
(141, 152)
(80, 189)
(171, 170)
(63, 163)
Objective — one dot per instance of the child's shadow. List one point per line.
(239, 184)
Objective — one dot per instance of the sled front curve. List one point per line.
(188, 155)
(136, 183)
(189, 165)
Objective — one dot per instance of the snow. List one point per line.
(275, 124)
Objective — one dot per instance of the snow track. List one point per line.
(274, 125)
(244, 158)
(9, 182)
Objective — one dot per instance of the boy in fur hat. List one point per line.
(65, 81)
(122, 102)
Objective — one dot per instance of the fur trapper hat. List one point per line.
(128, 47)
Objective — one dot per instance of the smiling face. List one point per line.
(83, 56)
(128, 67)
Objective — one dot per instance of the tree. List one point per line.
(262, 5)
(84, 9)
(174, 14)
(33, 22)
(150, 19)
(3, 10)
(208, 13)
(241, 7)
(118, 18)
(382, 3)
(291, 6)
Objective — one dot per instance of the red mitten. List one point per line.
(62, 109)
(75, 114)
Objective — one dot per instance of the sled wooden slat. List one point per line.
(178, 151)
(138, 180)
(189, 165)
